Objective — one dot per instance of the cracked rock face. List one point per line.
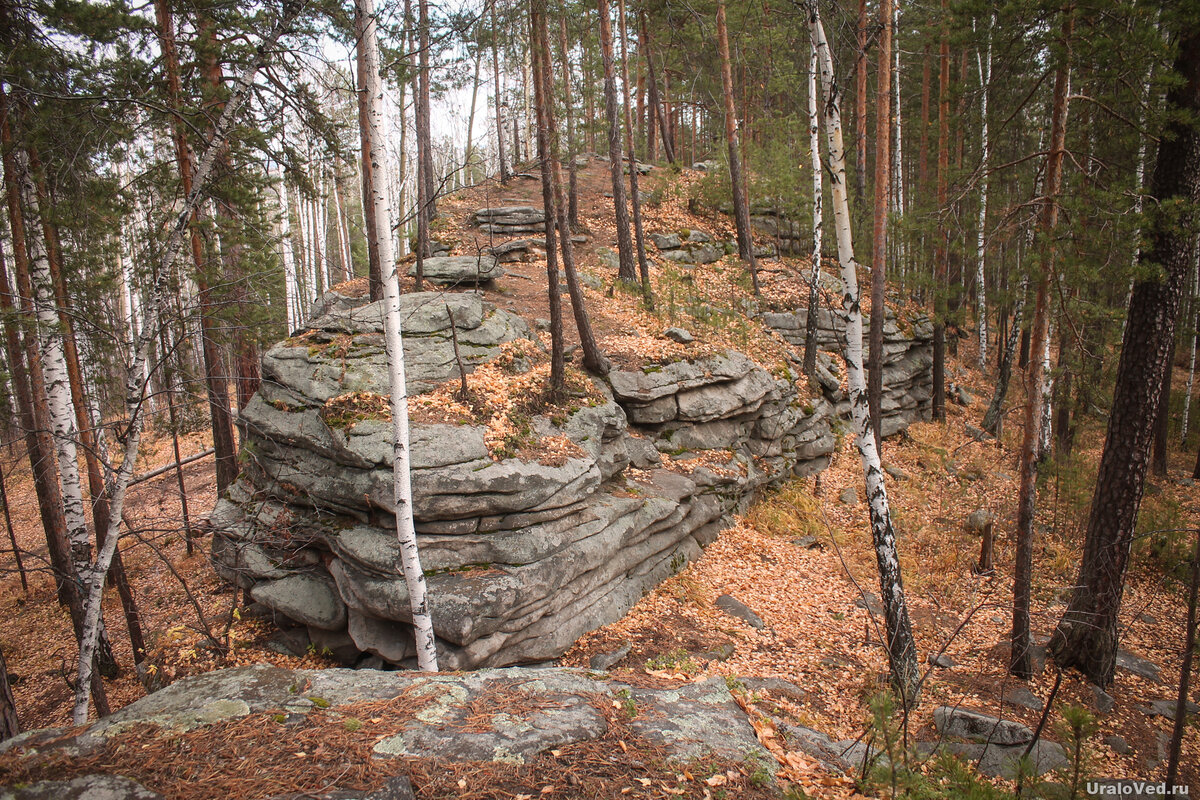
(523, 555)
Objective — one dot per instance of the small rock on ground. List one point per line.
(1118, 744)
(941, 660)
(980, 727)
(849, 496)
(679, 335)
(896, 473)
(736, 608)
(1166, 708)
(1021, 696)
(1138, 666)
(1105, 702)
(807, 542)
(602, 662)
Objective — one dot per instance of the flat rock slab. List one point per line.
(1138, 666)
(998, 761)
(503, 715)
(89, 787)
(980, 727)
(459, 270)
(1021, 696)
(1167, 708)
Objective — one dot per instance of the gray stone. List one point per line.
(306, 598)
(998, 761)
(848, 496)
(1118, 744)
(1105, 702)
(696, 720)
(678, 335)
(896, 473)
(977, 434)
(941, 660)
(706, 166)
(869, 601)
(1021, 696)
(666, 241)
(807, 542)
(959, 394)
(736, 608)
(1147, 618)
(602, 662)
(608, 258)
(1138, 666)
(1167, 708)
(979, 727)
(88, 787)
(458, 270)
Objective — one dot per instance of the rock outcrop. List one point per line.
(524, 553)
(503, 716)
(511, 220)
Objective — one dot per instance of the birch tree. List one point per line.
(410, 560)
(985, 78)
(902, 650)
(135, 383)
(814, 281)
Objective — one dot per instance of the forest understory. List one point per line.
(801, 557)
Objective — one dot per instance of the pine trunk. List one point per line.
(627, 270)
(882, 191)
(639, 239)
(737, 181)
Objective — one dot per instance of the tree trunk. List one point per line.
(1194, 335)
(639, 239)
(541, 106)
(10, 724)
(657, 109)
(814, 281)
(737, 181)
(860, 109)
(568, 105)
(135, 386)
(1020, 663)
(902, 651)
(216, 384)
(994, 418)
(499, 90)
(942, 248)
(414, 577)
(593, 359)
(1162, 422)
(1185, 672)
(882, 191)
(1086, 637)
(985, 79)
(627, 271)
(374, 270)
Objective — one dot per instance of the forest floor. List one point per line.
(817, 634)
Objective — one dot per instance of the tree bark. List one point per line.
(1020, 662)
(981, 311)
(814, 281)
(568, 105)
(10, 724)
(902, 651)
(627, 270)
(737, 180)
(216, 384)
(942, 245)
(557, 359)
(860, 109)
(1086, 636)
(883, 109)
(639, 239)
(414, 577)
(499, 90)
(657, 109)
(135, 385)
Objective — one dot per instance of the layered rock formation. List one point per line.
(524, 550)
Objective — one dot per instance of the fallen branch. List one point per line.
(183, 462)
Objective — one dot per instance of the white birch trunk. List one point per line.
(414, 577)
(58, 387)
(135, 386)
(343, 231)
(321, 220)
(290, 288)
(985, 79)
(1195, 309)
(898, 141)
(814, 145)
(1047, 424)
(901, 648)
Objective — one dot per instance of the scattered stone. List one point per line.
(870, 601)
(1138, 666)
(849, 496)
(705, 166)
(977, 434)
(807, 542)
(591, 281)
(1021, 696)
(977, 521)
(608, 257)
(896, 473)
(541, 324)
(723, 652)
(960, 395)
(736, 608)
(679, 335)
(980, 727)
(1118, 744)
(999, 761)
(602, 662)
(1146, 618)
(666, 241)
(941, 660)
(1105, 702)
(459, 270)
(1166, 708)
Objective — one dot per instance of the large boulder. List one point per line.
(459, 270)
